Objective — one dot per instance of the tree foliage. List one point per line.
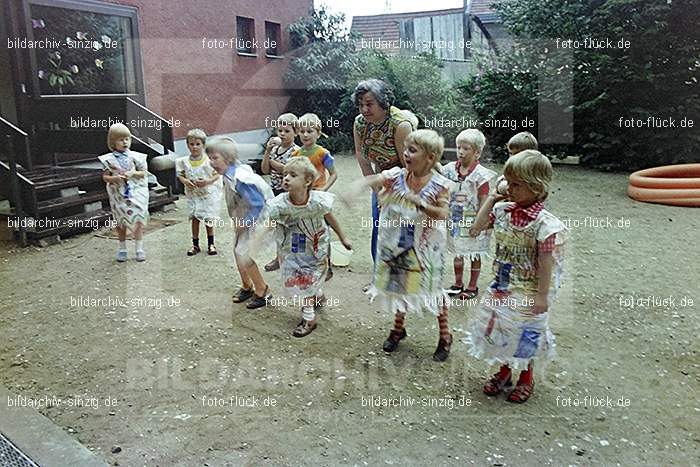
(317, 73)
(653, 74)
(326, 67)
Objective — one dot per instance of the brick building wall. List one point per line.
(187, 76)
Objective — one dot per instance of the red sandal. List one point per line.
(521, 393)
(497, 383)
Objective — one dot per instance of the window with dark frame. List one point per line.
(97, 55)
(273, 35)
(245, 38)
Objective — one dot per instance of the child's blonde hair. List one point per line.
(116, 131)
(472, 137)
(533, 168)
(522, 141)
(224, 146)
(196, 133)
(288, 119)
(310, 121)
(429, 141)
(304, 166)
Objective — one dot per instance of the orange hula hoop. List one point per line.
(675, 185)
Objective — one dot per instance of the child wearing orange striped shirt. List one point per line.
(309, 131)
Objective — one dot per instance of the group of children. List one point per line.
(510, 326)
(427, 212)
(297, 203)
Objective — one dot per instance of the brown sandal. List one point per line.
(193, 250)
(521, 393)
(443, 349)
(392, 341)
(211, 250)
(304, 328)
(273, 265)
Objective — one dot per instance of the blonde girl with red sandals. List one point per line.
(511, 325)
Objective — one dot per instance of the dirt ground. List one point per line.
(170, 372)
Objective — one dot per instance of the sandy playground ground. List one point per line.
(155, 359)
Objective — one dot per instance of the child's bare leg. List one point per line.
(195, 229)
(138, 232)
(211, 249)
(256, 277)
(121, 251)
(243, 272)
(474, 276)
(459, 271)
(121, 233)
(138, 240)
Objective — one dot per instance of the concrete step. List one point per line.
(38, 438)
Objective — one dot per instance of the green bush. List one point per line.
(325, 68)
(418, 86)
(317, 75)
(656, 76)
(497, 94)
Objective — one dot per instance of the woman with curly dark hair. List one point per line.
(379, 132)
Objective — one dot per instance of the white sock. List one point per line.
(139, 245)
(122, 245)
(307, 313)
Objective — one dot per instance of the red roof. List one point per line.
(386, 27)
(413, 14)
(478, 7)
